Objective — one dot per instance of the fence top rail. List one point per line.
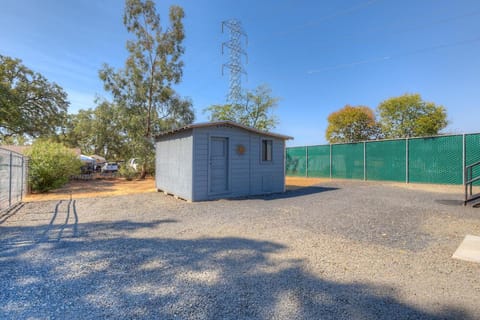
(472, 165)
(393, 139)
(10, 151)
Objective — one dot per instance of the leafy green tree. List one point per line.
(352, 124)
(144, 86)
(410, 116)
(99, 131)
(255, 111)
(30, 105)
(78, 131)
(51, 164)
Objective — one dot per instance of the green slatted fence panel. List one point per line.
(436, 160)
(472, 152)
(319, 161)
(347, 161)
(386, 160)
(295, 164)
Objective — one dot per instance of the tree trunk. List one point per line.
(143, 173)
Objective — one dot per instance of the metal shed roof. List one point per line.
(222, 123)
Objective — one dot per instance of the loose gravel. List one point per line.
(342, 250)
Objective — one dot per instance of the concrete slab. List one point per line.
(469, 249)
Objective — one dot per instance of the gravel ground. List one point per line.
(342, 250)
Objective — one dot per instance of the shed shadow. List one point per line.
(297, 191)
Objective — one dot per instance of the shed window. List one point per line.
(267, 150)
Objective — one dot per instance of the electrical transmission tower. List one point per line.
(234, 46)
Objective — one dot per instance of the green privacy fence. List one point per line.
(438, 159)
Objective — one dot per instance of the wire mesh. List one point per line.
(386, 160)
(318, 161)
(296, 161)
(12, 178)
(347, 161)
(472, 153)
(436, 160)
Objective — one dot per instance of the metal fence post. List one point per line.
(407, 178)
(464, 158)
(10, 181)
(23, 179)
(306, 161)
(364, 161)
(330, 161)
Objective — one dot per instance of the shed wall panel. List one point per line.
(173, 161)
(267, 177)
(247, 174)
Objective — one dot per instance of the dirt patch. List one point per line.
(107, 187)
(439, 188)
(300, 182)
(104, 187)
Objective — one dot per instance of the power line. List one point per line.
(331, 16)
(408, 53)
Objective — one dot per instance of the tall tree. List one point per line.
(30, 105)
(352, 124)
(410, 116)
(99, 131)
(144, 86)
(256, 110)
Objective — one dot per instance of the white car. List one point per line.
(110, 167)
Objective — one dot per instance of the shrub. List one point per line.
(127, 172)
(51, 165)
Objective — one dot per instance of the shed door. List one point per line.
(218, 164)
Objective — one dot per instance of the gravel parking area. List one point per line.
(340, 250)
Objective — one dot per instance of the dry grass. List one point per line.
(96, 188)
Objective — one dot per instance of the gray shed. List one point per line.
(219, 160)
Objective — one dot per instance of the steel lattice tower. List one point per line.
(235, 65)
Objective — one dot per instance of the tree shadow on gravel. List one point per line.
(107, 271)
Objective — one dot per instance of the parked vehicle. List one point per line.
(109, 167)
(133, 163)
(89, 164)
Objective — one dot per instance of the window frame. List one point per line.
(266, 151)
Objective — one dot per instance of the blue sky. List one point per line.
(317, 56)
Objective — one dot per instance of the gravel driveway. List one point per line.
(342, 250)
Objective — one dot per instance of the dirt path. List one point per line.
(96, 188)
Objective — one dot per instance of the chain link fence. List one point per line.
(438, 159)
(13, 178)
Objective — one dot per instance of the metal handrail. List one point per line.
(469, 180)
(472, 165)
